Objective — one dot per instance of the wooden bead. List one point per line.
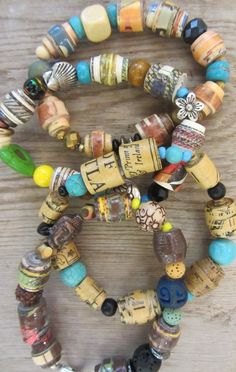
(139, 157)
(72, 140)
(171, 177)
(102, 173)
(159, 127)
(203, 170)
(139, 307)
(211, 94)
(189, 135)
(53, 116)
(97, 143)
(65, 230)
(66, 256)
(91, 293)
(113, 208)
(44, 251)
(96, 23)
(109, 69)
(208, 47)
(60, 175)
(53, 207)
(130, 15)
(137, 72)
(169, 247)
(203, 276)
(221, 217)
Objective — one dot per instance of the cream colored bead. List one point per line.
(96, 23)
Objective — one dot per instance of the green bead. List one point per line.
(17, 158)
(172, 316)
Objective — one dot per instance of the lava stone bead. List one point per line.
(62, 191)
(144, 361)
(217, 192)
(157, 193)
(44, 229)
(195, 28)
(109, 307)
(171, 292)
(35, 88)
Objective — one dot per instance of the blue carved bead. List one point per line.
(74, 274)
(218, 71)
(222, 251)
(78, 27)
(83, 72)
(75, 185)
(112, 14)
(171, 293)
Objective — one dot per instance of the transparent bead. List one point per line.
(63, 367)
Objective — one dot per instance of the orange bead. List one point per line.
(175, 270)
(137, 72)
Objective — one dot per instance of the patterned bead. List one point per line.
(175, 270)
(73, 275)
(77, 26)
(171, 177)
(137, 72)
(96, 23)
(218, 71)
(42, 175)
(143, 360)
(188, 135)
(222, 251)
(171, 293)
(62, 76)
(35, 88)
(109, 69)
(83, 72)
(195, 28)
(75, 185)
(220, 217)
(150, 216)
(113, 208)
(65, 230)
(172, 316)
(112, 14)
(17, 158)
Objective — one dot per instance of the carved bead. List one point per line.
(137, 72)
(65, 230)
(170, 247)
(221, 217)
(91, 293)
(53, 207)
(150, 216)
(97, 143)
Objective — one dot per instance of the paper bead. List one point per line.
(203, 276)
(53, 207)
(171, 177)
(113, 208)
(221, 217)
(91, 293)
(60, 176)
(66, 256)
(109, 69)
(130, 16)
(211, 94)
(65, 230)
(189, 135)
(97, 143)
(150, 216)
(139, 307)
(169, 247)
(96, 23)
(203, 170)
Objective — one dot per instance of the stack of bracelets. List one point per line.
(166, 144)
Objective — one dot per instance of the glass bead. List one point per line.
(157, 192)
(109, 307)
(145, 198)
(83, 72)
(218, 71)
(77, 26)
(222, 251)
(35, 88)
(172, 316)
(75, 185)
(182, 92)
(171, 293)
(174, 154)
(42, 175)
(167, 227)
(38, 68)
(73, 275)
(195, 28)
(137, 72)
(112, 14)
(217, 192)
(17, 158)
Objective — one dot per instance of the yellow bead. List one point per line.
(42, 175)
(96, 23)
(135, 203)
(175, 270)
(167, 227)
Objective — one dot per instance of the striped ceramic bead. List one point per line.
(109, 69)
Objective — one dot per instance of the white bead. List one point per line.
(96, 23)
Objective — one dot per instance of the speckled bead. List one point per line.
(171, 293)
(218, 71)
(83, 72)
(73, 275)
(77, 26)
(175, 270)
(143, 360)
(96, 23)
(75, 185)
(172, 316)
(222, 251)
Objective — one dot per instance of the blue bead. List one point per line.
(190, 297)
(162, 152)
(145, 198)
(187, 155)
(222, 251)
(78, 27)
(75, 185)
(112, 14)
(83, 72)
(74, 274)
(171, 293)
(182, 92)
(174, 154)
(218, 71)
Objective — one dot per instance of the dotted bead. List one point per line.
(172, 316)
(83, 72)
(175, 270)
(42, 175)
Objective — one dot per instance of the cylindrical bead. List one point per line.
(53, 207)
(203, 276)
(96, 23)
(49, 357)
(211, 94)
(66, 256)
(171, 177)
(139, 307)
(113, 208)
(169, 247)
(150, 216)
(221, 217)
(112, 365)
(137, 72)
(189, 135)
(130, 15)
(109, 69)
(65, 230)
(60, 175)
(91, 293)
(97, 143)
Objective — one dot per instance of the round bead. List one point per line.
(38, 68)
(137, 72)
(44, 229)
(175, 270)
(42, 175)
(222, 251)
(35, 88)
(135, 203)
(73, 275)
(182, 92)
(150, 216)
(145, 198)
(173, 154)
(217, 192)
(157, 192)
(78, 27)
(162, 152)
(62, 191)
(218, 71)
(190, 297)
(112, 14)
(167, 227)
(172, 316)
(171, 293)
(115, 145)
(109, 307)
(193, 30)
(187, 156)
(83, 72)
(75, 185)
(143, 360)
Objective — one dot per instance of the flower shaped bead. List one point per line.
(189, 107)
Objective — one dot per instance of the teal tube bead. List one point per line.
(17, 158)
(83, 72)
(112, 14)
(174, 154)
(75, 185)
(78, 27)
(73, 275)
(218, 71)
(222, 251)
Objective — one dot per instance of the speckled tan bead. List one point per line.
(91, 293)
(175, 270)
(96, 23)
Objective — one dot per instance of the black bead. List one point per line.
(115, 145)
(62, 191)
(137, 137)
(195, 28)
(157, 193)
(109, 307)
(44, 229)
(217, 192)
(35, 88)
(144, 361)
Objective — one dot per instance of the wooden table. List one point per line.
(118, 256)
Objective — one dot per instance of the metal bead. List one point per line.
(62, 77)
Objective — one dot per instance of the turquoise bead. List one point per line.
(172, 316)
(182, 92)
(222, 251)
(17, 158)
(83, 72)
(75, 185)
(218, 71)
(74, 274)
(162, 152)
(187, 155)
(190, 297)
(78, 27)
(174, 154)
(112, 14)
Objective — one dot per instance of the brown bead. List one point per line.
(211, 94)
(137, 72)
(169, 247)
(65, 230)
(72, 140)
(27, 298)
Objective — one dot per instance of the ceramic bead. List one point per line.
(195, 28)
(17, 158)
(218, 71)
(112, 365)
(137, 72)
(83, 72)
(109, 69)
(73, 275)
(143, 360)
(89, 292)
(38, 68)
(42, 175)
(171, 293)
(66, 256)
(189, 135)
(60, 176)
(172, 316)
(130, 16)
(97, 143)
(62, 76)
(222, 251)
(217, 192)
(35, 88)
(203, 276)
(175, 270)
(96, 23)
(53, 207)
(211, 94)
(170, 247)
(77, 26)
(75, 185)
(112, 14)
(171, 177)
(221, 217)
(48, 357)
(139, 307)
(150, 216)
(208, 47)
(113, 208)
(65, 230)
(109, 307)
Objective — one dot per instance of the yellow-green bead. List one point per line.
(42, 175)
(135, 203)
(167, 227)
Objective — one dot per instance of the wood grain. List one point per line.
(118, 257)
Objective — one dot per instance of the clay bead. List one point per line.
(53, 207)
(175, 270)
(137, 72)
(66, 256)
(150, 216)
(221, 217)
(96, 23)
(211, 94)
(89, 292)
(113, 208)
(171, 292)
(130, 16)
(169, 247)
(65, 230)
(97, 143)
